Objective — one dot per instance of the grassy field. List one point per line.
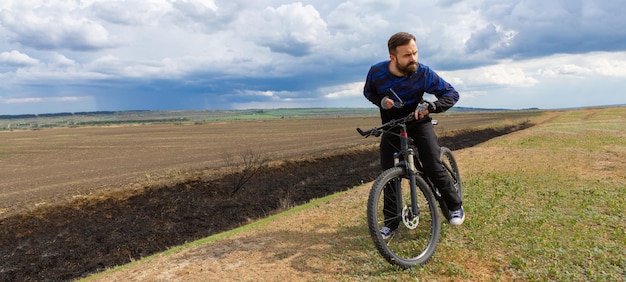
(547, 203)
(543, 204)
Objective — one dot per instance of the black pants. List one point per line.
(424, 138)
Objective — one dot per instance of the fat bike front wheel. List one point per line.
(416, 234)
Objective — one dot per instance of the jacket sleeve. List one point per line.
(369, 91)
(446, 95)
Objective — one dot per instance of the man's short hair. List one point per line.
(399, 39)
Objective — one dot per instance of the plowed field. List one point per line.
(74, 201)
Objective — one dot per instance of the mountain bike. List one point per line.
(415, 240)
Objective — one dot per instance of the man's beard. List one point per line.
(407, 70)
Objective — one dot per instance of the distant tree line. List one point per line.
(96, 113)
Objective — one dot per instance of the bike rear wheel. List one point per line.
(416, 237)
(449, 163)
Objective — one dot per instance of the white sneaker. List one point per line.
(387, 232)
(457, 217)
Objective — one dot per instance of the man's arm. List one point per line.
(446, 95)
(370, 92)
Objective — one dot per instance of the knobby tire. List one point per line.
(407, 247)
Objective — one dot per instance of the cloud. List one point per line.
(113, 67)
(195, 10)
(355, 17)
(61, 61)
(604, 64)
(211, 54)
(491, 39)
(129, 12)
(30, 100)
(354, 89)
(539, 28)
(17, 59)
(500, 75)
(527, 73)
(293, 29)
(202, 15)
(50, 27)
(561, 80)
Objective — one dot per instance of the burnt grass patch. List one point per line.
(87, 236)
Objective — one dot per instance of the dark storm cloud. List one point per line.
(535, 28)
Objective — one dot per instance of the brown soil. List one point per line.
(47, 167)
(91, 233)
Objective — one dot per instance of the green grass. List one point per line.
(539, 208)
(547, 227)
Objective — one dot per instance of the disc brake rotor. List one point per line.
(410, 221)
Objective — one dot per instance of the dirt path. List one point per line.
(297, 247)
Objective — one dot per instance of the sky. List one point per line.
(110, 55)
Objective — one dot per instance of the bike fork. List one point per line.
(412, 173)
(409, 214)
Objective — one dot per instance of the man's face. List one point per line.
(406, 58)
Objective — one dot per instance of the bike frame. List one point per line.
(407, 162)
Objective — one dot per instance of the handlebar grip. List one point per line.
(363, 133)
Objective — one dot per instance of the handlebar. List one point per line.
(377, 131)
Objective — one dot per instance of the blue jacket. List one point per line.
(410, 89)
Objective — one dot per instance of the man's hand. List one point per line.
(421, 114)
(422, 110)
(386, 103)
